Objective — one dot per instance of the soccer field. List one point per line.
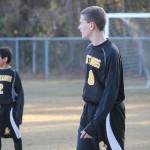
(52, 112)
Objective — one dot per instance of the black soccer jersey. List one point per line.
(104, 85)
(11, 91)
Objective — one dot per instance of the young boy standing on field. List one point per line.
(11, 100)
(102, 124)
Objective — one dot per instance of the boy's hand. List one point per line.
(85, 135)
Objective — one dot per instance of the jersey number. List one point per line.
(1, 88)
(91, 78)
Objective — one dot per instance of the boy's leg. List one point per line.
(14, 129)
(2, 126)
(86, 144)
(115, 128)
(17, 143)
(0, 143)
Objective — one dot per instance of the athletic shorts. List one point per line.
(9, 128)
(110, 135)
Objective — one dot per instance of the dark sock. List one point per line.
(18, 144)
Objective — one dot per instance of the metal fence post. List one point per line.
(46, 60)
(17, 54)
(34, 57)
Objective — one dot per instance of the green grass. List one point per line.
(53, 109)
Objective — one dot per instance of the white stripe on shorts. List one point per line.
(111, 138)
(14, 126)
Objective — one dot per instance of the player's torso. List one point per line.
(95, 74)
(6, 85)
(95, 64)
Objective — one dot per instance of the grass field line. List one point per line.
(42, 118)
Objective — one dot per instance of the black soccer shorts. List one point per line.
(110, 135)
(9, 128)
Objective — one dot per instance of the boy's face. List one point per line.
(3, 61)
(85, 27)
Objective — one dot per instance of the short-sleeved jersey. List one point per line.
(11, 91)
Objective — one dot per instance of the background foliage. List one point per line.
(54, 18)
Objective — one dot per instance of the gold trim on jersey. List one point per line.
(5, 78)
(93, 61)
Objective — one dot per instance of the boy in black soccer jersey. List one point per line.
(102, 124)
(11, 100)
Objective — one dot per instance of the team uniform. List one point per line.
(103, 115)
(11, 105)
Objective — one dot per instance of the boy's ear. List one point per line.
(5, 59)
(92, 25)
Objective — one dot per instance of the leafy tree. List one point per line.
(51, 18)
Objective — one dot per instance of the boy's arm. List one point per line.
(20, 98)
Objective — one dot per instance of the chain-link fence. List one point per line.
(47, 57)
(65, 57)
